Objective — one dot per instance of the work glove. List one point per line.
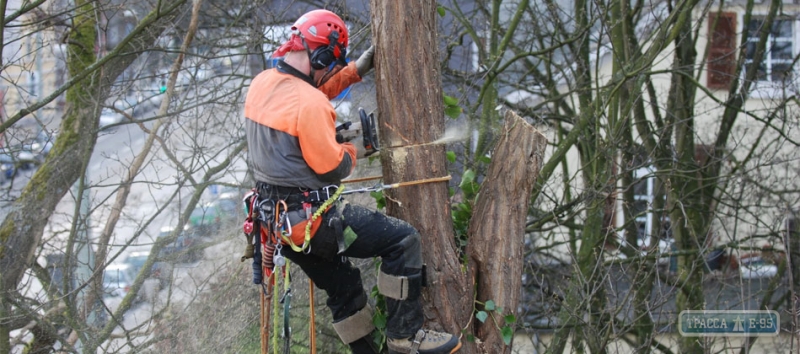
(364, 62)
(347, 131)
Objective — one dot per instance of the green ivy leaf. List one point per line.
(489, 305)
(450, 101)
(379, 199)
(467, 178)
(510, 318)
(482, 316)
(451, 156)
(507, 334)
(440, 10)
(379, 320)
(452, 111)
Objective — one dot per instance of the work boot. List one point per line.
(425, 342)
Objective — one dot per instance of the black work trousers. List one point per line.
(379, 235)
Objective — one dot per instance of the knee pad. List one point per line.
(356, 326)
(400, 287)
(412, 251)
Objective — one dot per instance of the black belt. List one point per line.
(294, 196)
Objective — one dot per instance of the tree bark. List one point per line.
(497, 227)
(410, 117)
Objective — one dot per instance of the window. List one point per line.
(776, 65)
(33, 85)
(722, 49)
(644, 192)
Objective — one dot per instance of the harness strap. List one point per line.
(322, 208)
(418, 338)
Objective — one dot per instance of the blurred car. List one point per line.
(183, 249)
(116, 280)
(41, 144)
(135, 262)
(208, 218)
(228, 192)
(109, 116)
(7, 168)
(756, 267)
(7, 172)
(19, 158)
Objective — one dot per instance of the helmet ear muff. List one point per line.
(324, 56)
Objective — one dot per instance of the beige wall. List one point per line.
(33, 62)
(779, 166)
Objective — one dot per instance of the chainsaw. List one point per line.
(366, 128)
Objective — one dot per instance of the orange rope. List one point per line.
(421, 181)
(399, 184)
(311, 325)
(266, 304)
(362, 179)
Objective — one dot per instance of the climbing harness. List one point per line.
(320, 210)
(267, 228)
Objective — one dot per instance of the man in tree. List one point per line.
(298, 162)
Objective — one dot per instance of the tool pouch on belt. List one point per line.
(336, 222)
(258, 275)
(330, 241)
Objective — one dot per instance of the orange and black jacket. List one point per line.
(291, 129)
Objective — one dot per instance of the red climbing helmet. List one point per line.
(318, 28)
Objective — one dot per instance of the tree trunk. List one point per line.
(687, 216)
(410, 117)
(21, 230)
(793, 262)
(497, 228)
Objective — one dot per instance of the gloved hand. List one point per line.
(364, 62)
(361, 151)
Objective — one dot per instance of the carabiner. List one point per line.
(249, 201)
(287, 226)
(280, 215)
(282, 222)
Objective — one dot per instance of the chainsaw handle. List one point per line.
(343, 126)
(348, 131)
(370, 131)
